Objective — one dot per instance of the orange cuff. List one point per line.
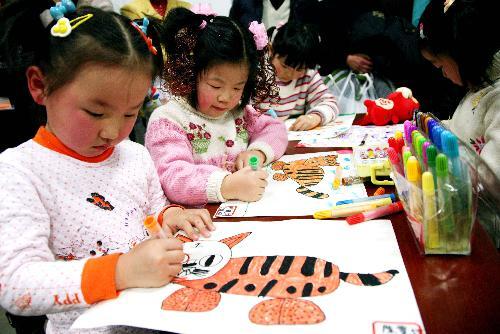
(160, 215)
(98, 278)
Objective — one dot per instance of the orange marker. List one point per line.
(154, 229)
(379, 191)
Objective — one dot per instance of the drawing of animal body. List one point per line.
(306, 172)
(285, 278)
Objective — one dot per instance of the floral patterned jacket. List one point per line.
(193, 152)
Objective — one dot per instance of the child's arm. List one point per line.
(320, 101)
(491, 149)
(182, 180)
(32, 282)
(267, 135)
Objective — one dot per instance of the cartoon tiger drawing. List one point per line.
(306, 172)
(285, 278)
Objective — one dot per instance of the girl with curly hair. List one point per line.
(202, 139)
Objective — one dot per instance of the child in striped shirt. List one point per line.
(294, 54)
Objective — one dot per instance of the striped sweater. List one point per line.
(305, 95)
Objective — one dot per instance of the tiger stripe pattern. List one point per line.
(283, 277)
(306, 172)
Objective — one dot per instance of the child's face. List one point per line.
(448, 66)
(284, 72)
(98, 109)
(220, 88)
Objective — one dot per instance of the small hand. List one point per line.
(192, 221)
(306, 122)
(244, 185)
(242, 158)
(152, 263)
(359, 63)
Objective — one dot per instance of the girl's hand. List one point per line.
(306, 122)
(244, 185)
(192, 221)
(152, 263)
(242, 159)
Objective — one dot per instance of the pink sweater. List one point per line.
(193, 152)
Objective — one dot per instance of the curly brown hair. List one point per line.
(192, 50)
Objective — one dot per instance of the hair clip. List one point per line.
(143, 29)
(259, 34)
(203, 9)
(65, 6)
(64, 27)
(447, 5)
(421, 30)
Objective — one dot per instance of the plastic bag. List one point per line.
(352, 89)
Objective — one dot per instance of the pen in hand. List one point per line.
(253, 162)
(154, 229)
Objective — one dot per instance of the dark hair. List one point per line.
(106, 38)
(457, 33)
(192, 50)
(298, 42)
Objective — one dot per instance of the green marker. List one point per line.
(431, 161)
(445, 197)
(253, 162)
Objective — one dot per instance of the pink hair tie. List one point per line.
(203, 24)
(259, 34)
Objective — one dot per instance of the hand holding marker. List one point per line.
(253, 162)
(154, 229)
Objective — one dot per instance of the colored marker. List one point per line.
(413, 177)
(445, 214)
(367, 199)
(374, 214)
(431, 154)
(253, 162)
(398, 134)
(379, 191)
(343, 212)
(431, 227)
(272, 113)
(154, 229)
(337, 180)
(436, 136)
(424, 153)
(450, 149)
(396, 163)
(399, 144)
(377, 202)
(407, 131)
(406, 155)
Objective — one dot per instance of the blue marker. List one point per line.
(272, 113)
(449, 143)
(436, 136)
(366, 199)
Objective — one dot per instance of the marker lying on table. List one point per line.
(337, 180)
(154, 229)
(367, 199)
(373, 214)
(253, 162)
(337, 212)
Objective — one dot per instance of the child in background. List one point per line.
(74, 198)
(449, 40)
(202, 139)
(294, 53)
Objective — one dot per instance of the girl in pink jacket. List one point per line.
(202, 139)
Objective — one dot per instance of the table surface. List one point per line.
(455, 294)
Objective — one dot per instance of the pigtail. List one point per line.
(181, 30)
(265, 80)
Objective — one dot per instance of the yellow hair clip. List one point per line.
(64, 27)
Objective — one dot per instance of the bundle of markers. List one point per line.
(434, 185)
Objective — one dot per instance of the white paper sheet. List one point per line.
(282, 199)
(339, 125)
(370, 247)
(371, 134)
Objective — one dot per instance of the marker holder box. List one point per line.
(443, 223)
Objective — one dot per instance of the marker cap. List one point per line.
(427, 183)
(450, 144)
(412, 169)
(431, 153)
(441, 165)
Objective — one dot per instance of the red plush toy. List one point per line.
(397, 107)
